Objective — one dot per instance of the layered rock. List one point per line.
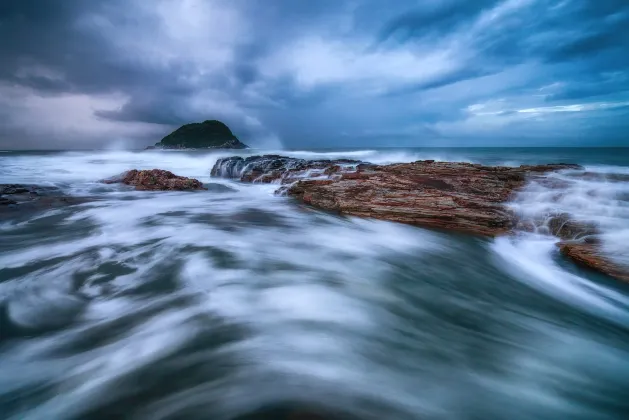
(210, 134)
(156, 180)
(588, 254)
(580, 242)
(458, 196)
(463, 197)
(455, 196)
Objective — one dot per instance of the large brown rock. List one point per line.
(456, 196)
(588, 254)
(463, 197)
(156, 180)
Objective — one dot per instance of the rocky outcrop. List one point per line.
(588, 254)
(17, 199)
(462, 197)
(282, 169)
(211, 134)
(456, 196)
(156, 180)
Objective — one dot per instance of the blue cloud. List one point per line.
(320, 74)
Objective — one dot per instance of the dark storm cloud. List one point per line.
(327, 73)
(433, 19)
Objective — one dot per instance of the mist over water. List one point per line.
(234, 303)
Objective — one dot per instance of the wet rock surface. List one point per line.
(463, 197)
(19, 198)
(456, 196)
(156, 180)
(588, 254)
(561, 225)
(281, 169)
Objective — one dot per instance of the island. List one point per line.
(210, 134)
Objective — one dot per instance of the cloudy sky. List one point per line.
(315, 73)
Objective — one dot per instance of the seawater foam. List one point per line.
(589, 196)
(593, 196)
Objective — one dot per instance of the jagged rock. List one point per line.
(156, 180)
(588, 254)
(211, 134)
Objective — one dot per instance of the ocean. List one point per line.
(235, 303)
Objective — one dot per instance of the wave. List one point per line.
(597, 198)
(236, 303)
(531, 258)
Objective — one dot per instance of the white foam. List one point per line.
(529, 257)
(600, 201)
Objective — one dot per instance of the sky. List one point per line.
(315, 74)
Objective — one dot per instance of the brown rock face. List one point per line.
(156, 180)
(587, 254)
(459, 196)
(426, 194)
(456, 196)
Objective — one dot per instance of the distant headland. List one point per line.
(210, 134)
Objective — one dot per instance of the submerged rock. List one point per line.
(156, 180)
(19, 198)
(561, 225)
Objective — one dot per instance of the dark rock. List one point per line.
(156, 180)
(272, 168)
(6, 201)
(15, 189)
(564, 227)
(18, 199)
(211, 134)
